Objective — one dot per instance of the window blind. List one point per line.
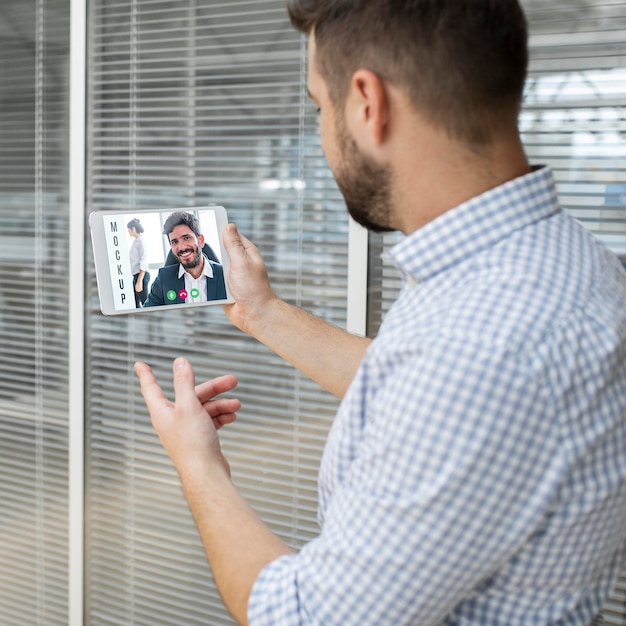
(573, 117)
(190, 103)
(574, 120)
(34, 56)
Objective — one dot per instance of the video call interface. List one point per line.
(119, 241)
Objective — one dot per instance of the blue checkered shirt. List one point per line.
(476, 469)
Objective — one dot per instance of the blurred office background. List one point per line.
(187, 103)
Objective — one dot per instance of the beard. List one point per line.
(364, 184)
(193, 261)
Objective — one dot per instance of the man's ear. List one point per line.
(201, 240)
(368, 106)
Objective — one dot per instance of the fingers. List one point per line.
(222, 410)
(189, 397)
(238, 245)
(246, 243)
(224, 420)
(232, 240)
(211, 388)
(150, 390)
(224, 405)
(184, 383)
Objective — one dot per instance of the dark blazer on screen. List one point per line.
(168, 280)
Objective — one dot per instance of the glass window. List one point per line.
(192, 103)
(34, 295)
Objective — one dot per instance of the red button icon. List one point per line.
(182, 294)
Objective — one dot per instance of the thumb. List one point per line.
(232, 239)
(184, 383)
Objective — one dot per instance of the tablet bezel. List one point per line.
(103, 261)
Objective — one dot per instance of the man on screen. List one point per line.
(195, 278)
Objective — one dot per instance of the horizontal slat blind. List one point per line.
(574, 108)
(34, 293)
(189, 103)
(573, 119)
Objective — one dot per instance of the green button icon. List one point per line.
(194, 293)
(171, 295)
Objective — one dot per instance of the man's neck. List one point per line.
(451, 178)
(196, 271)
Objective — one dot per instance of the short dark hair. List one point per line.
(181, 217)
(463, 63)
(136, 224)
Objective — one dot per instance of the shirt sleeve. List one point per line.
(143, 257)
(454, 463)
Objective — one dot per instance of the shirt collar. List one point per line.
(476, 224)
(207, 269)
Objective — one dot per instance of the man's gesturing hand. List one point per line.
(188, 427)
(237, 543)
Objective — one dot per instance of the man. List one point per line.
(195, 278)
(476, 469)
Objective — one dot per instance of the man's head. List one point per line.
(183, 232)
(410, 92)
(462, 63)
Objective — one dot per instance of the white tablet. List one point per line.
(150, 260)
